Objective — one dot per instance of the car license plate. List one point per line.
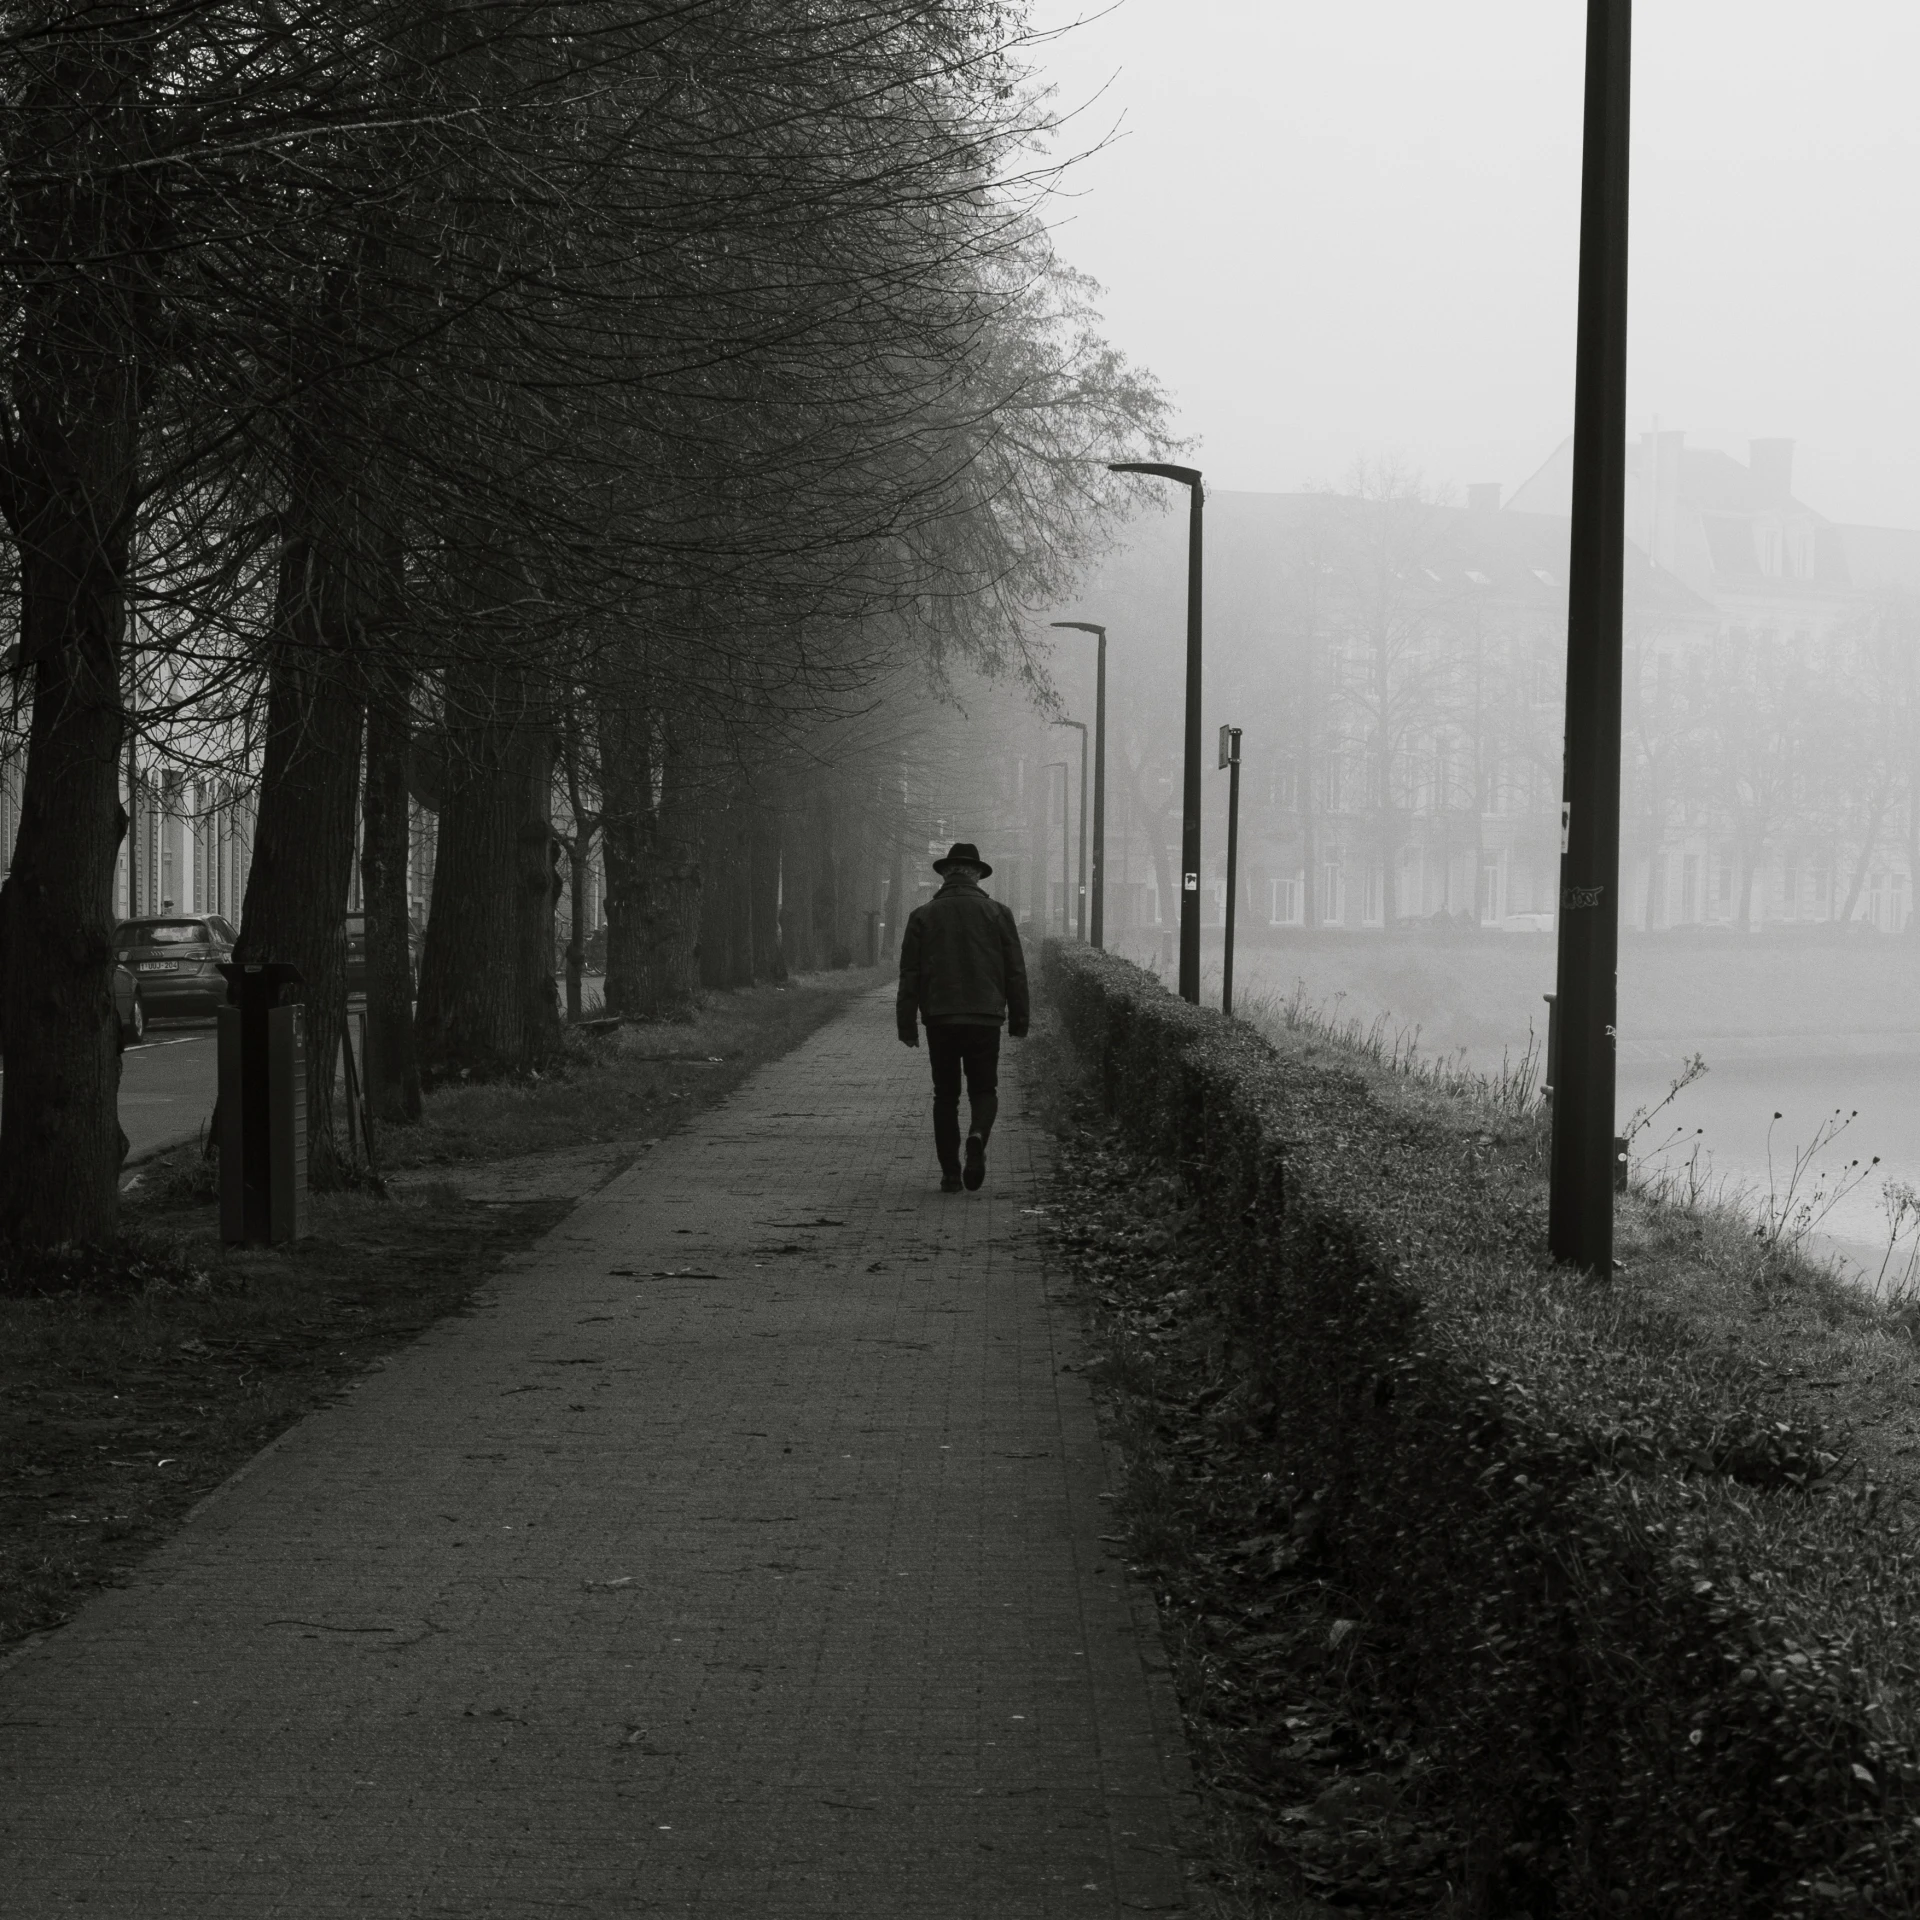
(159, 966)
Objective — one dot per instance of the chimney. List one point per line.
(1483, 496)
(1771, 463)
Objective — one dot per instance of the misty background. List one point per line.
(1345, 239)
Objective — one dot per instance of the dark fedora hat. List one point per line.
(963, 852)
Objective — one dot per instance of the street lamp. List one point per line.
(1189, 477)
(1065, 883)
(1081, 725)
(1230, 758)
(1099, 780)
(1580, 1198)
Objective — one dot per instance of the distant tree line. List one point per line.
(501, 401)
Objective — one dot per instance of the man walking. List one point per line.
(962, 972)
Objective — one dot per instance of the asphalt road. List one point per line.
(167, 1085)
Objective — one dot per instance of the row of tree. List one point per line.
(485, 401)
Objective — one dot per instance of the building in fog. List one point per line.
(1397, 665)
(1772, 771)
(190, 843)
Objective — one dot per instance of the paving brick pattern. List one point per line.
(741, 1556)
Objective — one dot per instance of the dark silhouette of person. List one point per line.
(962, 973)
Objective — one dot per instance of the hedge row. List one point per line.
(1662, 1652)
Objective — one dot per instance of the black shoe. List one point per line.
(976, 1162)
(949, 1183)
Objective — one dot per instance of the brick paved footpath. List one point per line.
(742, 1556)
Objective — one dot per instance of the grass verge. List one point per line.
(134, 1381)
(1493, 1590)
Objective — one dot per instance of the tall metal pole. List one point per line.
(1580, 1204)
(1099, 780)
(1100, 800)
(1064, 883)
(1230, 759)
(1066, 845)
(133, 825)
(1188, 477)
(1081, 929)
(1080, 924)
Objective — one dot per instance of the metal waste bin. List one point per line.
(263, 1106)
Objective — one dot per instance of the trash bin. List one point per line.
(263, 1106)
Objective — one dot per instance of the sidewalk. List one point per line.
(741, 1557)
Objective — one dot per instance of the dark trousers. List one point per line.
(951, 1047)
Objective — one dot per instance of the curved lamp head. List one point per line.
(1080, 626)
(1187, 476)
(1081, 724)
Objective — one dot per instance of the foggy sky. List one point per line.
(1352, 227)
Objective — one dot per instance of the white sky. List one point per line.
(1352, 227)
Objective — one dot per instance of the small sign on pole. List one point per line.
(1230, 759)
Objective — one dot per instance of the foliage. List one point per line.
(1654, 1645)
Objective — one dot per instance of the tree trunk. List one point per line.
(392, 1066)
(626, 809)
(60, 1139)
(799, 856)
(579, 854)
(828, 886)
(576, 924)
(1875, 814)
(302, 865)
(769, 964)
(653, 869)
(726, 926)
(1309, 842)
(487, 1003)
(539, 896)
(896, 908)
(83, 214)
(670, 895)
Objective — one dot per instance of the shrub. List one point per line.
(1659, 1643)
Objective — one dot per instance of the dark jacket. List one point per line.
(960, 959)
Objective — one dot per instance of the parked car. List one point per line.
(175, 962)
(357, 952)
(129, 1010)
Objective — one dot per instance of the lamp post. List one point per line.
(1580, 1199)
(1081, 913)
(1230, 758)
(1099, 780)
(1065, 883)
(1189, 477)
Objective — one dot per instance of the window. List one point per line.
(1286, 903)
(163, 933)
(1333, 895)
